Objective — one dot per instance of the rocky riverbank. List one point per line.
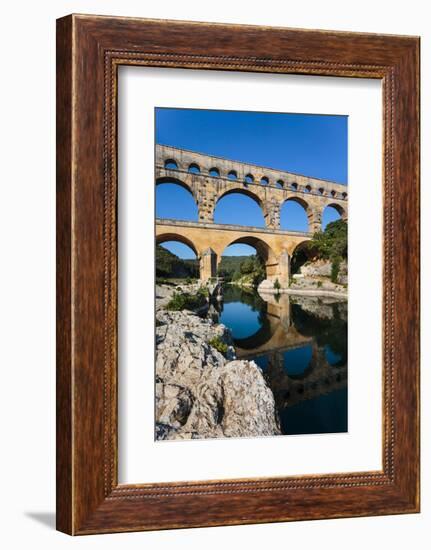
(202, 390)
(314, 279)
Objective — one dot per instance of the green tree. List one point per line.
(247, 266)
(332, 242)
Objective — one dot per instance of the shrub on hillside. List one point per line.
(184, 300)
(218, 344)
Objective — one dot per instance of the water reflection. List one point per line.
(300, 343)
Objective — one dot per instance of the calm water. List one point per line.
(301, 346)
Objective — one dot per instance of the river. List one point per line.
(300, 343)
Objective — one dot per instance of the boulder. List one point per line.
(318, 268)
(202, 393)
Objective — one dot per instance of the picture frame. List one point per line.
(89, 51)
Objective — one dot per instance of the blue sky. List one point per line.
(314, 145)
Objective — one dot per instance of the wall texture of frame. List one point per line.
(89, 51)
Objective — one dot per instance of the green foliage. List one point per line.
(236, 276)
(229, 265)
(168, 265)
(247, 266)
(248, 269)
(332, 242)
(218, 344)
(319, 284)
(277, 285)
(184, 300)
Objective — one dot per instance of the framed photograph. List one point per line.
(237, 274)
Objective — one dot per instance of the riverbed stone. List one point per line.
(202, 393)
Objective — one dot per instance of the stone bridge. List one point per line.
(208, 241)
(210, 178)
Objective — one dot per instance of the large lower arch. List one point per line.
(182, 269)
(166, 237)
(263, 250)
(302, 253)
(300, 221)
(256, 220)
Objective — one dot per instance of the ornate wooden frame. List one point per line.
(89, 51)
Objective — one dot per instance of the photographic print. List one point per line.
(216, 339)
(251, 293)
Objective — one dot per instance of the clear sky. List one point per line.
(313, 145)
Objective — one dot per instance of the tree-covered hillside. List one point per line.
(330, 244)
(237, 268)
(169, 265)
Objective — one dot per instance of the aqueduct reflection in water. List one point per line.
(300, 343)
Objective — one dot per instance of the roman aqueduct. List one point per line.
(210, 178)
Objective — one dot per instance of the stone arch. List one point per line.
(242, 191)
(306, 207)
(245, 191)
(249, 178)
(194, 168)
(263, 249)
(169, 236)
(177, 181)
(232, 175)
(214, 172)
(300, 253)
(340, 209)
(176, 214)
(170, 164)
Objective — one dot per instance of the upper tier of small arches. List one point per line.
(250, 179)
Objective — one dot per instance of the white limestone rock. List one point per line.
(202, 393)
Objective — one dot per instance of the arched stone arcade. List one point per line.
(213, 178)
(263, 249)
(209, 182)
(275, 248)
